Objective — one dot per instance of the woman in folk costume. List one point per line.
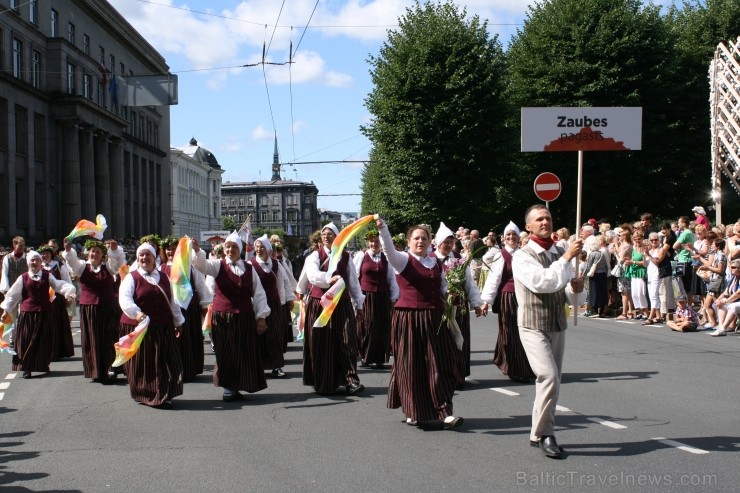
(155, 372)
(99, 312)
(378, 284)
(277, 288)
(191, 337)
(62, 345)
(30, 292)
(330, 352)
(445, 241)
(287, 308)
(239, 312)
(498, 292)
(426, 361)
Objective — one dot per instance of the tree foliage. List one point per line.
(437, 114)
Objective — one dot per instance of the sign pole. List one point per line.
(547, 205)
(578, 221)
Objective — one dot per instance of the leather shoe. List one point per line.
(550, 447)
(452, 423)
(26, 374)
(355, 388)
(278, 373)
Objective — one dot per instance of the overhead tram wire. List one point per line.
(274, 28)
(267, 90)
(306, 27)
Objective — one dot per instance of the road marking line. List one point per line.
(504, 391)
(10, 376)
(2, 394)
(681, 446)
(4, 385)
(563, 409)
(604, 422)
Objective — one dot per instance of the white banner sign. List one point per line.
(581, 129)
(206, 235)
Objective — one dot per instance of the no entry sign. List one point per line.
(547, 187)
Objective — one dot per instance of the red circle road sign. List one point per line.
(547, 187)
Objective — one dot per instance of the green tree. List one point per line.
(602, 53)
(438, 120)
(229, 223)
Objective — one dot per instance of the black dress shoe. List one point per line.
(550, 447)
(26, 374)
(278, 373)
(355, 388)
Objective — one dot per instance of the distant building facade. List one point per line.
(196, 190)
(68, 150)
(282, 204)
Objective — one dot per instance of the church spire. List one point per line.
(276, 163)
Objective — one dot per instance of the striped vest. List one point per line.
(541, 311)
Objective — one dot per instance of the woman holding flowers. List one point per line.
(426, 365)
(498, 292)
(30, 292)
(98, 312)
(462, 289)
(62, 345)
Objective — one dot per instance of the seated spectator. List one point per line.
(685, 319)
(728, 303)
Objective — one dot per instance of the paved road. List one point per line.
(643, 409)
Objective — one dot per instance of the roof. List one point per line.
(196, 151)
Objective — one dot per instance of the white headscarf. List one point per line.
(265, 243)
(332, 227)
(234, 238)
(442, 233)
(148, 248)
(30, 255)
(511, 227)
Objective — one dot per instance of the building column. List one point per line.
(71, 205)
(87, 175)
(102, 177)
(118, 211)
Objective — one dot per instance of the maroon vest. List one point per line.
(96, 287)
(317, 292)
(507, 276)
(373, 275)
(419, 286)
(35, 294)
(54, 271)
(268, 280)
(233, 293)
(151, 301)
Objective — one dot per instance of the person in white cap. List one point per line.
(499, 293)
(239, 312)
(378, 283)
(426, 361)
(154, 373)
(278, 291)
(62, 345)
(330, 352)
(701, 216)
(30, 293)
(277, 255)
(445, 240)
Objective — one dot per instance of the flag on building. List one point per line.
(113, 89)
(245, 233)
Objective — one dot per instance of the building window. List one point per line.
(123, 70)
(21, 130)
(276, 216)
(71, 33)
(101, 56)
(101, 92)
(232, 202)
(17, 58)
(54, 23)
(223, 203)
(112, 63)
(36, 70)
(241, 202)
(86, 88)
(250, 201)
(133, 123)
(276, 200)
(70, 78)
(86, 44)
(307, 199)
(263, 216)
(14, 5)
(33, 12)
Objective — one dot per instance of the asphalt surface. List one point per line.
(642, 409)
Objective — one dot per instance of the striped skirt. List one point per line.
(272, 342)
(238, 364)
(32, 341)
(155, 372)
(330, 353)
(191, 342)
(463, 321)
(374, 328)
(509, 354)
(98, 333)
(426, 365)
(62, 345)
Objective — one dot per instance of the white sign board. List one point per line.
(581, 129)
(205, 235)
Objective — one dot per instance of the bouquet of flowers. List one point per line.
(455, 270)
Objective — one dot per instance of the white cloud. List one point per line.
(259, 133)
(297, 126)
(337, 79)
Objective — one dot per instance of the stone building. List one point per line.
(68, 149)
(196, 190)
(281, 204)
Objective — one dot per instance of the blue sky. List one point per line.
(316, 107)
